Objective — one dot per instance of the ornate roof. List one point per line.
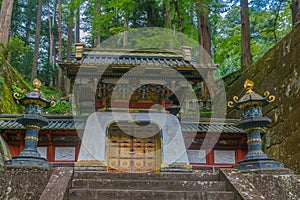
(57, 122)
(63, 122)
(119, 61)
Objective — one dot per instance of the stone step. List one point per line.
(145, 176)
(116, 194)
(148, 184)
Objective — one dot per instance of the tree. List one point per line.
(204, 29)
(97, 37)
(37, 41)
(77, 25)
(205, 42)
(51, 21)
(246, 58)
(295, 6)
(5, 20)
(70, 25)
(59, 33)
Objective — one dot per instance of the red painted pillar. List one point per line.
(77, 149)
(50, 153)
(210, 157)
(239, 154)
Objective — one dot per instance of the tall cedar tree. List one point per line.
(52, 40)
(59, 50)
(37, 41)
(5, 20)
(295, 6)
(77, 25)
(246, 58)
(204, 37)
(70, 24)
(97, 38)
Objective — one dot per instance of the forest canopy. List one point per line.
(235, 33)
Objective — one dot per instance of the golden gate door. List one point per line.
(133, 154)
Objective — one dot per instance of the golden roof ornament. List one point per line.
(248, 85)
(35, 97)
(250, 96)
(36, 84)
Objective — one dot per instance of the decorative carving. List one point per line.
(65, 153)
(252, 99)
(224, 156)
(266, 94)
(36, 84)
(271, 98)
(248, 85)
(197, 156)
(230, 104)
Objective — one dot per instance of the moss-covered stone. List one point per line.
(10, 81)
(278, 72)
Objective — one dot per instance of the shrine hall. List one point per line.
(144, 121)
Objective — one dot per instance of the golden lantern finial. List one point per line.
(248, 85)
(36, 84)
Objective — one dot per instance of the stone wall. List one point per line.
(275, 184)
(20, 183)
(279, 184)
(278, 72)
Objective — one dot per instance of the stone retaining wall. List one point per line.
(22, 183)
(278, 71)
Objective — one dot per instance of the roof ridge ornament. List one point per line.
(36, 84)
(248, 85)
(250, 95)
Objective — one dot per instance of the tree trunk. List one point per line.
(97, 38)
(275, 21)
(179, 16)
(149, 11)
(27, 34)
(125, 36)
(77, 28)
(52, 42)
(209, 85)
(167, 20)
(204, 32)
(69, 48)
(69, 52)
(295, 6)
(37, 41)
(179, 21)
(246, 52)
(59, 44)
(5, 19)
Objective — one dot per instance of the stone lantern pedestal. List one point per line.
(253, 122)
(32, 120)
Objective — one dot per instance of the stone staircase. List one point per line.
(101, 185)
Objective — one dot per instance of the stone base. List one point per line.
(177, 167)
(259, 164)
(24, 161)
(276, 171)
(90, 165)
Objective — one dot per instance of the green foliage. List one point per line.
(61, 107)
(51, 91)
(269, 22)
(16, 52)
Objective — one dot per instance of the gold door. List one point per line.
(133, 154)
